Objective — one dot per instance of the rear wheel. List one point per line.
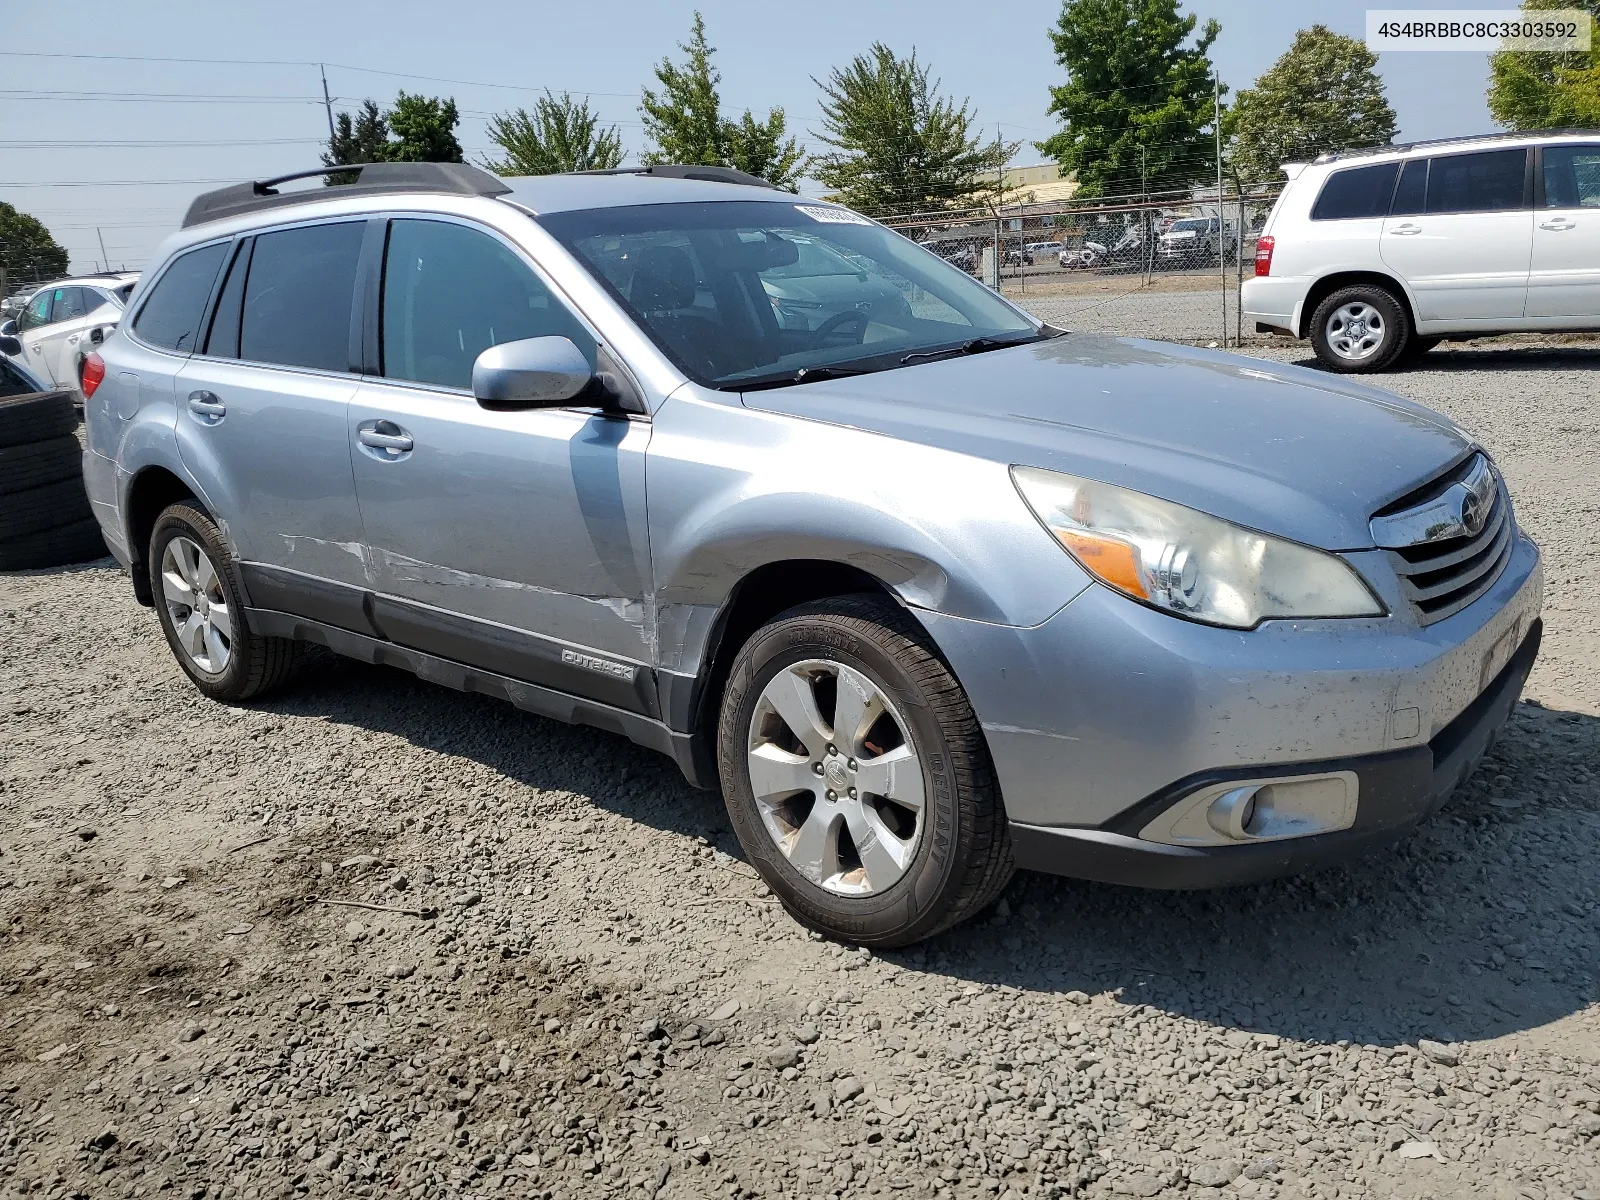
(856, 777)
(200, 603)
(1360, 329)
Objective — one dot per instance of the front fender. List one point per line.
(733, 490)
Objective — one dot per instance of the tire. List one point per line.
(862, 643)
(77, 542)
(36, 509)
(253, 664)
(36, 417)
(51, 461)
(1377, 312)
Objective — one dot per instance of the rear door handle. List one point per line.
(1557, 224)
(1406, 230)
(206, 408)
(385, 437)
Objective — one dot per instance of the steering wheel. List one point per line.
(838, 321)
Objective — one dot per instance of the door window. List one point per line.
(38, 311)
(299, 296)
(1411, 193)
(1572, 176)
(1487, 182)
(170, 318)
(70, 303)
(1358, 192)
(223, 341)
(450, 292)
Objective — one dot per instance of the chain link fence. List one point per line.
(1167, 266)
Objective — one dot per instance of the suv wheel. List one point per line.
(1359, 329)
(195, 583)
(856, 777)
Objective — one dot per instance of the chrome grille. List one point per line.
(1444, 557)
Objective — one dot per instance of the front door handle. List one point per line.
(385, 437)
(1406, 230)
(206, 408)
(1557, 224)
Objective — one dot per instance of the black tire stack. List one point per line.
(45, 519)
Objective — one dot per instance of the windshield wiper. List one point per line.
(976, 346)
(805, 375)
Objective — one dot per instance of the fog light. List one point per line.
(1230, 814)
(1258, 810)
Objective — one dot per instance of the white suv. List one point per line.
(1378, 254)
(63, 322)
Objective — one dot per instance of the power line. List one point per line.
(149, 143)
(113, 183)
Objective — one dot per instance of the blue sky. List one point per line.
(262, 118)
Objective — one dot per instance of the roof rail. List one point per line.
(461, 179)
(1402, 147)
(677, 171)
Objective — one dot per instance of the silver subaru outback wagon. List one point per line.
(929, 589)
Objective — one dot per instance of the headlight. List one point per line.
(1186, 562)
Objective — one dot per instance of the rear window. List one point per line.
(170, 318)
(299, 295)
(1356, 192)
(1488, 182)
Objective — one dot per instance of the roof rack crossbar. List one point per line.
(461, 179)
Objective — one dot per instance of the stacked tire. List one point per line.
(45, 519)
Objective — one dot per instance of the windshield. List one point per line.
(739, 293)
(1191, 224)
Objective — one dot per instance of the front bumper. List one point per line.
(1108, 711)
(1398, 791)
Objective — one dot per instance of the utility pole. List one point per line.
(104, 257)
(1222, 256)
(327, 103)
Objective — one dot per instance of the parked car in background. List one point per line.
(1042, 250)
(16, 379)
(1377, 254)
(62, 323)
(1195, 240)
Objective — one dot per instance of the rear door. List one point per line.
(1460, 234)
(1564, 280)
(262, 419)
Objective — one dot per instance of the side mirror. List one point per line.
(8, 328)
(541, 372)
(10, 345)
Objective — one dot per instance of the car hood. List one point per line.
(1282, 449)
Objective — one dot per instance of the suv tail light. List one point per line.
(94, 373)
(1264, 254)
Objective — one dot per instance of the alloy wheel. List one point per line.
(196, 605)
(1356, 331)
(836, 778)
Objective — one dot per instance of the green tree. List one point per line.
(685, 124)
(561, 134)
(1137, 107)
(898, 144)
(27, 251)
(424, 129)
(1324, 94)
(1540, 90)
(363, 138)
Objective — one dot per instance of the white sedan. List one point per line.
(63, 322)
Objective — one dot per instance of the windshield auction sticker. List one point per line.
(1478, 29)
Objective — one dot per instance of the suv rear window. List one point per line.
(299, 296)
(170, 318)
(1356, 192)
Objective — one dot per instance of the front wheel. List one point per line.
(856, 776)
(1360, 329)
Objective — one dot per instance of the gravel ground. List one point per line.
(565, 983)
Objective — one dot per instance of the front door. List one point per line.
(1464, 249)
(59, 340)
(510, 540)
(262, 412)
(1564, 282)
